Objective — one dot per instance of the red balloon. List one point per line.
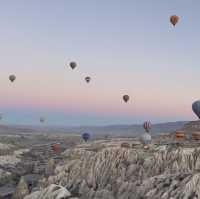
(55, 147)
(174, 20)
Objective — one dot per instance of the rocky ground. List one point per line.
(104, 169)
(30, 158)
(107, 168)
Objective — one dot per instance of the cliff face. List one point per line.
(21, 190)
(107, 171)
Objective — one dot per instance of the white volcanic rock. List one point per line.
(4, 173)
(51, 192)
(112, 172)
(4, 176)
(13, 158)
(49, 170)
(21, 190)
(98, 171)
(20, 152)
(9, 159)
(34, 195)
(6, 146)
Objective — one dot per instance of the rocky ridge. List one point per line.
(105, 170)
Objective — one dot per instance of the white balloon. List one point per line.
(145, 138)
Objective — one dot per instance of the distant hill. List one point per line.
(130, 130)
(114, 130)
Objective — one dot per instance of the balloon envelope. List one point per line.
(73, 65)
(174, 19)
(86, 136)
(196, 108)
(145, 138)
(126, 98)
(87, 79)
(55, 147)
(180, 135)
(12, 78)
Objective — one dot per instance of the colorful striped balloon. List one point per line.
(147, 126)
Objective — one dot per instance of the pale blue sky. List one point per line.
(127, 47)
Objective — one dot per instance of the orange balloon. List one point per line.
(180, 135)
(174, 19)
(55, 147)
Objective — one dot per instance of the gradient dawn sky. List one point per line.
(126, 46)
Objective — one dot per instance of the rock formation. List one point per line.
(21, 190)
(51, 192)
(49, 170)
(113, 172)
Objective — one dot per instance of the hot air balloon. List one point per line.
(145, 138)
(86, 136)
(174, 19)
(196, 136)
(196, 108)
(87, 79)
(126, 98)
(12, 78)
(42, 120)
(147, 126)
(73, 65)
(180, 135)
(55, 147)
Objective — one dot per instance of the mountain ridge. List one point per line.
(115, 129)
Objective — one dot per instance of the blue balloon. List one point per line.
(196, 108)
(86, 136)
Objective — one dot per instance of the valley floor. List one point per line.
(115, 168)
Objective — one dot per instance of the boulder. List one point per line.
(53, 191)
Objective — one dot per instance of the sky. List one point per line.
(127, 47)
